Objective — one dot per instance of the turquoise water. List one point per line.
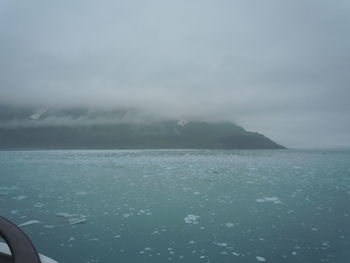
(181, 205)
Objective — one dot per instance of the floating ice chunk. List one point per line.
(66, 215)
(76, 221)
(229, 224)
(144, 212)
(325, 243)
(260, 259)
(274, 200)
(191, 219)
(30, 222)
(73, 219)
(39, 205)
(223, 244)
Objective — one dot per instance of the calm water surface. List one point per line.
(181, 206)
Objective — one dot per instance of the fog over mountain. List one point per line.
(277, 67)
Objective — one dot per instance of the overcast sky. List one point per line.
(278, 67)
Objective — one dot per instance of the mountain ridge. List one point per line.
(119, 129)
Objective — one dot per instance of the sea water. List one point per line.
(181, 205)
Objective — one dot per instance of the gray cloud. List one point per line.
(278, 67)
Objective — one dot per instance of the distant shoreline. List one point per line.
(140, 149)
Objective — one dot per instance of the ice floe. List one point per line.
(273, 199)
(191, 219)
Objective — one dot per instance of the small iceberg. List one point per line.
(191, 219)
